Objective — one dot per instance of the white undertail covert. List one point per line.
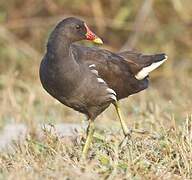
(146, 70)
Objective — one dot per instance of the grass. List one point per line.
(167, 155)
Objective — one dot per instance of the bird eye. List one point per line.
(78, 27)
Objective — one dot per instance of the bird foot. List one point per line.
(126, 139)
(128, 135)
(140, 131)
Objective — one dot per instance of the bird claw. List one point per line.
(126, 139)
(128, 136)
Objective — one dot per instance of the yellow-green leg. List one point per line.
(126, 131)
(90, 132)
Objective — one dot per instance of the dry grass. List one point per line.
(164, 109)
(166, 155)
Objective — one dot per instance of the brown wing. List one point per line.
(117, 72)
(137, 61)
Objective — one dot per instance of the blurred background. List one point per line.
(148, 26)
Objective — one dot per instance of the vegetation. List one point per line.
(164, 109)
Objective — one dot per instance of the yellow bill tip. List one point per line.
(97, 40)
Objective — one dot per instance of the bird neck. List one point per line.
(59, 46)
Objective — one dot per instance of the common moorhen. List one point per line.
(89, 79)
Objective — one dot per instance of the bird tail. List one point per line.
(151, 63)
(141, 65)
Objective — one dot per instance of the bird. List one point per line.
(89, 79)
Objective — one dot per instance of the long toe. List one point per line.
(126, 139)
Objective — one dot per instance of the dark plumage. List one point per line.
(90, 79)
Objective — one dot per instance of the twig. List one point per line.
(139, 23)
(47, 21)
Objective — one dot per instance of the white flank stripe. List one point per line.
(94, 72)
(113, 97)
(111, 91)
(92, 65)
(146, 70)
(101, 80)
